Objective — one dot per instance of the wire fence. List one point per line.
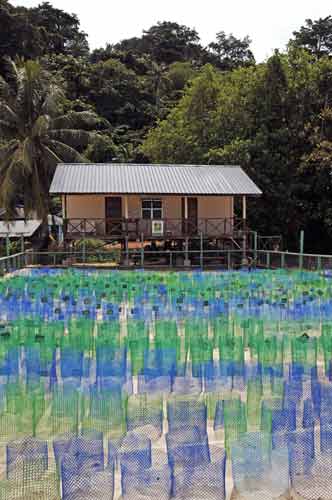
(170, 259)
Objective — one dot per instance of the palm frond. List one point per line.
(65, 152)
(7, 113)
(75, 120)
(9, 173)
(29, 91)
(9, 80)
(27, 156)
(72, 137)
(51, 158)
(41, 126)
(52, 98)
(7, 151)
(7, 130)
(37, 139)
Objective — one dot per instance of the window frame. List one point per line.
(152, 209)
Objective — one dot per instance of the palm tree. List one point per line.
(36, 136)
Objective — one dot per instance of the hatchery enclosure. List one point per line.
(187, 385)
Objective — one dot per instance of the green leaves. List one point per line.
(72, 120)
(231, 52)
(272, 119)
(315, 36)
(38, 137)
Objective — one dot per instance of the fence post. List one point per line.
(142, 250)
(84, 250)
(255, 245)
(268, 260)
(186, 253)
(319, 262)
(301, 249)
(127, 251)
(202, 252)
(282, 260)
(229, 265)
(22, 244)
(25, 259)
(7, 246)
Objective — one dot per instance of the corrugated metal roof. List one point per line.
(122, 178)
(16, 228)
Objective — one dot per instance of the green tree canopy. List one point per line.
(42, 30)
(315, 36)
(230, 52)
(166, 42)
(264, 118)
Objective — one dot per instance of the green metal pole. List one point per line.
(22, 244)
(301, 249)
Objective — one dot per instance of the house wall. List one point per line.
(215, 207)
(93, 207)
(85, 207)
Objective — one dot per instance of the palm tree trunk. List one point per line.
(42, 242)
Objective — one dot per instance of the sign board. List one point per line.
(157, 228)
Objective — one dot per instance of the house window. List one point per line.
(152, 209)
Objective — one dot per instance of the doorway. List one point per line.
(113, 212)
(190, 226)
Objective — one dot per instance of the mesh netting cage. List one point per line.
(259, 472)
(81, 483)
(147, 482)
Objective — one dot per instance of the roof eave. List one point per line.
(108, 193)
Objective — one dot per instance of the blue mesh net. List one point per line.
(80, 482)
(26, 458)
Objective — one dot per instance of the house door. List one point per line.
(189, 226)
(113, 211)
